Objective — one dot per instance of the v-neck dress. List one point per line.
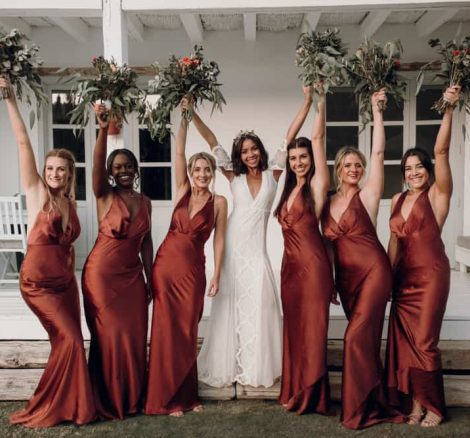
(421, 289)
(116, 310)
(306, 288)
(244, 339)
(179, 285)
(49, 287)
(363, 280)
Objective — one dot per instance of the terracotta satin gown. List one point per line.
(421, 288)
(49, 287)
(363, 280)
(179, 283)
(306, 288)
(117, 312)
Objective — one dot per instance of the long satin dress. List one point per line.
(179, 282)
(117, 312)
(363, 280)
(49, 287)
(306, 288)
(421, 288)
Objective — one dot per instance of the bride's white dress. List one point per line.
(244, 338)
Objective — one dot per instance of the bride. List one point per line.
(244, 338)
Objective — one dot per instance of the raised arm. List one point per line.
(181, 174)
(219, 243)
(300, 117)
(222, 157)
(374, 186)
(30, 178)
(101, 186)
(321, 179)
(441, 190)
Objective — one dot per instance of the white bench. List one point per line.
(462, 252)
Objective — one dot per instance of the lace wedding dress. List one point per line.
(244, 337)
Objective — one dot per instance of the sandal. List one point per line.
(431, 420)
(198, 409)
(177, 414)
(416, 415)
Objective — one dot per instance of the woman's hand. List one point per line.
(213, 287)
(307, 93)
(452, 95)
(6, 88)
(334, 298)
(378, 100)
(102, 114)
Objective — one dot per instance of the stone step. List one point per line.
(19, 384)
(34, 354)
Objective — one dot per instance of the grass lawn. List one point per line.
(241, 419)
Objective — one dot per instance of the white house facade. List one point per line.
(254, 44)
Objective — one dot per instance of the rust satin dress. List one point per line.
(49, 287)
(421, 288)
(116, 310)
(363, 280)
(179, 282)
(306, 288)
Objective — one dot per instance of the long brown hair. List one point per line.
(291, 179)
(69, 191)
(238, 166)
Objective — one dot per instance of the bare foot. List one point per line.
(417, 414)
(177, 414)
(431, 420)
(198, 409)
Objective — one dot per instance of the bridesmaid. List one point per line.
(306, 277)
(114, 289)
(362, 276)
(179, 283)
(421, 279)
(48, 284)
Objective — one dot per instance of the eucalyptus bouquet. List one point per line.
(19, 64)
(191, 76)
(371, 68)
(455, 70)
(113, 85)
(320, 57)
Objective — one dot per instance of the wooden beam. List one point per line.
(214, 6)
(51, 8)
(9, 23)
(433, 20)
(135, 28)
(193, 26)
(312, 19)
(373, 21)
(249, 26)
(75, 27)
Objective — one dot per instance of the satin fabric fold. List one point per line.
(421, 289)
(179, 283)
(363, 280)
(116, 311)
(49, 287)
(306, 288)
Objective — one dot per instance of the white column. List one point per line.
(466, 176)
(115, 45)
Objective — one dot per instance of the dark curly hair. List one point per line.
(238, 166)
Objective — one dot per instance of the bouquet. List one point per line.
(374, 67)
(19, 64)
(455, 70)
(320, 55)
(190, 76)
(113, 85)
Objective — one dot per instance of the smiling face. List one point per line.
(352, 170)
(250, 154)
(300, 161)
(123, 171)
(57, 173)
(201, 174)
(416, 175)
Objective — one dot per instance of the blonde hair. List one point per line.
(69, 190)
(210, 161)
(339, 162)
